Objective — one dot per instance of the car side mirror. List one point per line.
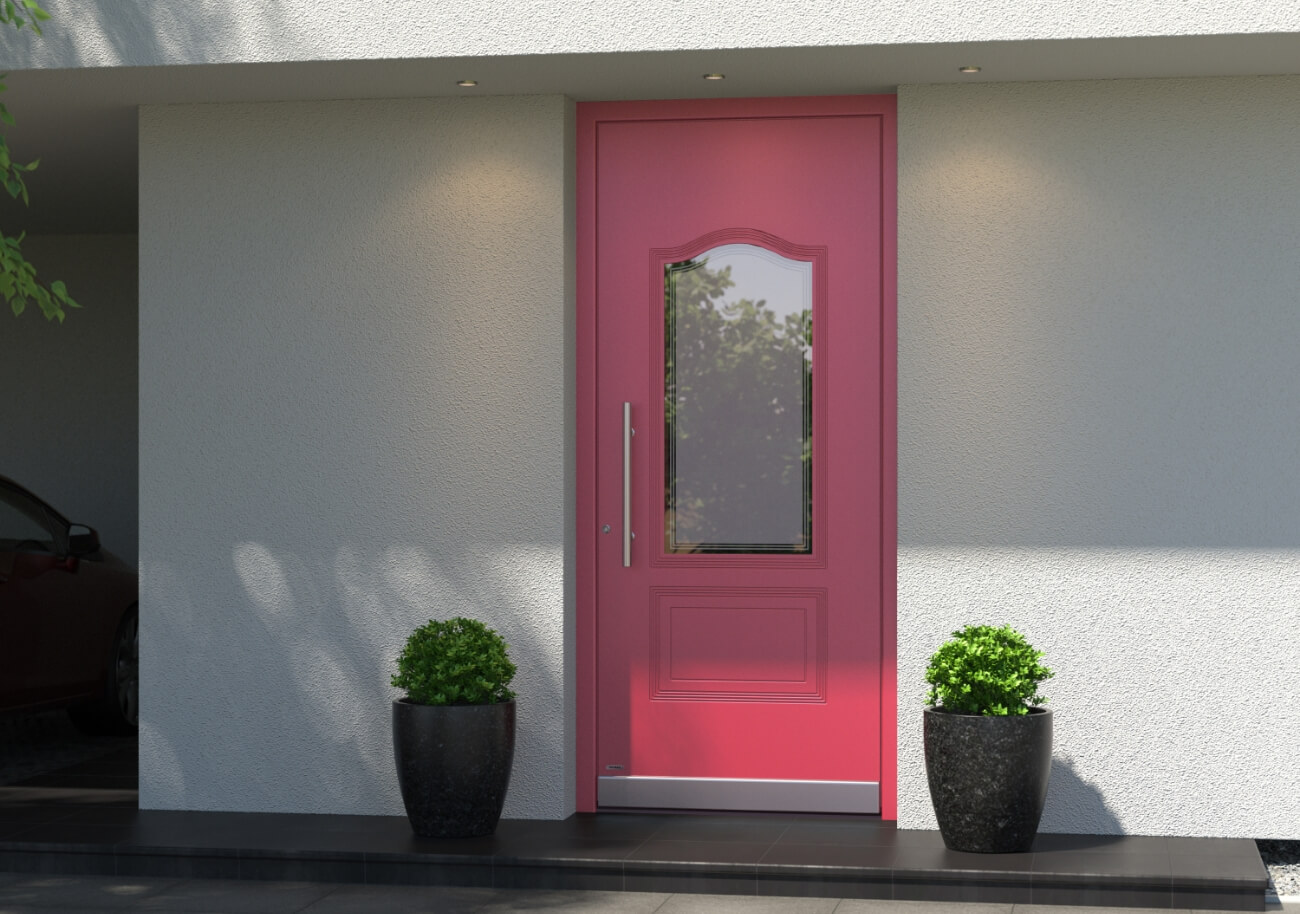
(82, 540)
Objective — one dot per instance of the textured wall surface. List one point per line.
(355, 415)
(68, 391)
(1099, 432)
(143, 33)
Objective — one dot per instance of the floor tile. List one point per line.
(906, 837)
(737, 904)
(698, 852)
(1217, 869)
(61, 892)
(55, 797)
(1101, 844)
(232, 896)
(1085, 894)
(225, 831)
(601, 879)
(178, 866)
(26, 815)
(689, 828)
(300, 869)
(967, 891)
(841, 834)
(800, 857)
(400, 840)
(1209, 899)
(1080, 909)
(1221, 847)
(699, 883)
(73, 834)
(920, 860)
(390, 872)
(351, 899)
(588, 850)
(828, 886)
(96, 781)
(804, 886)
(1127, 867)
(926, 907)
(630, 826)
(61, 863)
(101, 815)
(32, 909)
(574, 902)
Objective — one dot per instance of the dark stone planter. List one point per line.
(988, 778)
(453, 765)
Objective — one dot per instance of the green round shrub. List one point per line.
(457, 662)
(986, 670)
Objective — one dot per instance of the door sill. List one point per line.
(739, 794)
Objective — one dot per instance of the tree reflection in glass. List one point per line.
(738, 403)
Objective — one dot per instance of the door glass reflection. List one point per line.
(738, 402)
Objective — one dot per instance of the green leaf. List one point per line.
(460, 661)
(19, 305)
(34, 8)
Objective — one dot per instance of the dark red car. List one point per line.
(69, 618)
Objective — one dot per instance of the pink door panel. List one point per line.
(735, 289)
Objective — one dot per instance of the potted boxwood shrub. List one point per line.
(454, 732)
(988, 748)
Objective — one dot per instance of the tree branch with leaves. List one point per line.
(18, 283)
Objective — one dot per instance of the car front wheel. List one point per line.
(117, 711)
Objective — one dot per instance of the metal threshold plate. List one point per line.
(739, 794)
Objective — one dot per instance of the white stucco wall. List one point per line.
(1099, 432)
(68, 391)
(145, 33)
(356, 413)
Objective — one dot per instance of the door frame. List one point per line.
(589, 116)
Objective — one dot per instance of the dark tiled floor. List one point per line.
(83, 820)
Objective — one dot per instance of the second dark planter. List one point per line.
(988, 778)
(453, 765)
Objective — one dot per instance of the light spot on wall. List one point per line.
(263, 578)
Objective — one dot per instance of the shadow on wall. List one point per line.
(128, 34)
(302, 682)
(1075, 805)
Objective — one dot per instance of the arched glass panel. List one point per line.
(738, 403)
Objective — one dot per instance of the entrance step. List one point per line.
(786, 855)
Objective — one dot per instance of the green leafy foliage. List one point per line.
(19, 13)
(986, 670)
(744, 354)
(457, 662)
(18, 284)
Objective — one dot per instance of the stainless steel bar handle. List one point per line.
(627, 485)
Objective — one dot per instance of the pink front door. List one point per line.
(735, 458)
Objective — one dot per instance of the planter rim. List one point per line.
(1034, 710)
(416, 704)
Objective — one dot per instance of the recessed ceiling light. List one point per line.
(467, 83)
(968, 69)
(715, 76)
